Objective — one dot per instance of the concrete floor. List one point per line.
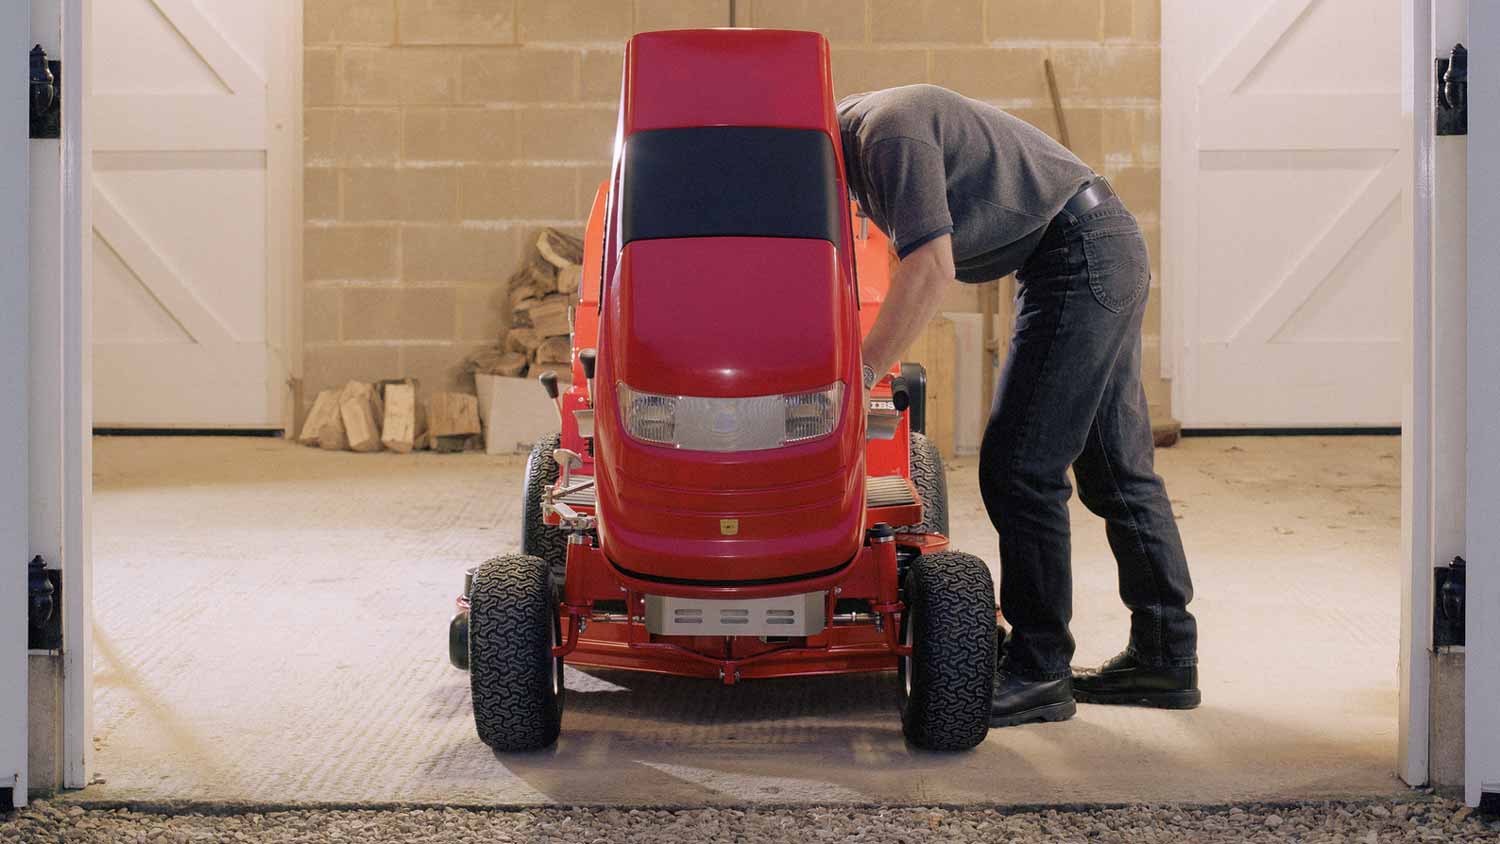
(271, 627)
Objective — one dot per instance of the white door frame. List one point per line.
(1451, 439)
(15, 492)
(1419, 411)
(1482, 636)
(59, 394)
(77, 419)
(284, 213)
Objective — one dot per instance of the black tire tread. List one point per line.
(510, 654)
(953, 659)
(931, 481)
(538, 538)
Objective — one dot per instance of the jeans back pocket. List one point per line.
(1119, 269)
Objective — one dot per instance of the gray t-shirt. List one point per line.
(924, 161)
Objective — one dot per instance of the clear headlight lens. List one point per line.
(738, 424)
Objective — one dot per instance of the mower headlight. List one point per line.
(730, 424)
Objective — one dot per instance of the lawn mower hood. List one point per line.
(730, 423)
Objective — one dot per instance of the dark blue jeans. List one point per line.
(1071, 395)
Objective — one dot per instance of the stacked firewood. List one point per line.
(542, 293)
(367, 417)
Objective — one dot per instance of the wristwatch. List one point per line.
(870, 377)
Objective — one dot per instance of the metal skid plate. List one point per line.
(788, 615)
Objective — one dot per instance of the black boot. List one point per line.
(1123, 680)
(1017, 700)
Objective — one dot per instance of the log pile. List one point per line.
(541, 294)
(366, 417)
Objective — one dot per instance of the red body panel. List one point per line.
(716, 77)
(731, 316)
(711, 317)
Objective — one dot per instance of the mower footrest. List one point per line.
(889, 491)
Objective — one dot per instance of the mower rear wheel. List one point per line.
(538, 538)
(949, 624)
(517, 684)
(931, 481)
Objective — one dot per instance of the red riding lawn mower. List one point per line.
(723, 500)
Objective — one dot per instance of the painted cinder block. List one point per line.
(393, 313)
(458, 135)
(574, 20)
(1043, 20)
(1114, 70)
(857, 69)
(840, 21)
(342, 252)
(927, 21)
(458, 253)
(482, 312)
(992, 73)
(652, 15)
(348, 22)
(584, 133)
(520, 192)
(519, 74)
(351, 135)
(327, 366)
(320, 76)
(458, 21)
(425, 194)
(599, 75)
(320, 314)
(438, 367)
(320, 193)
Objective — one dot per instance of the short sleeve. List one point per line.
(909, 183)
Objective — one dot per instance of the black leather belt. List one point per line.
(1091, 196)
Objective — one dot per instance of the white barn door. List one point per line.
(1285, 156)
(1482, 628)
(15, 492)
(189, 234)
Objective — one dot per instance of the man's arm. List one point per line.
(916, 292)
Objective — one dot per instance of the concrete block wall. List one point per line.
(442, 134)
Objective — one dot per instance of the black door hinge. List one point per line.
(44, 613)
(1452, 114)
(46, 95)
(1448, 604)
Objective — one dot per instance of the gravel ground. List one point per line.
(1355, 823)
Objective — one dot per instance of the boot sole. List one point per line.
(1060, 711)
(1184, 699)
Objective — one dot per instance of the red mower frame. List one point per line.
(645, 521)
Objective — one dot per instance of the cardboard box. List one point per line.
(515, 411)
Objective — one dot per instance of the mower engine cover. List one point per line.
(730, 427)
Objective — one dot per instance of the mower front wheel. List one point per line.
(950, 626)
(538, 538)
(517, 683)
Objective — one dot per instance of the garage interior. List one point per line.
(270, 605)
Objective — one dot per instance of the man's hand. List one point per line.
(912, 301)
